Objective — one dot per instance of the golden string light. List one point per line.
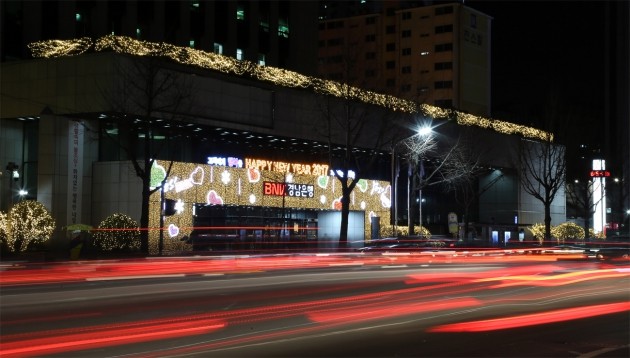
(277, 76)
(190, 184)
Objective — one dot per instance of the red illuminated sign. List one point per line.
(276, 189)
(600, 173)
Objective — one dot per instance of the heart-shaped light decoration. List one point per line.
(173, 230)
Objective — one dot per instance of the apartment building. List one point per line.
(438, 54)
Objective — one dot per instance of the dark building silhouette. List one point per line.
(274, 33)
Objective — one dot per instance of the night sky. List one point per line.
(548, 52)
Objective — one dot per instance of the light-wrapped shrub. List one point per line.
(27, 226)
(118, 232)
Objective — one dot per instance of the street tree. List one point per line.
(431, 162)
(542, 163)
(580, 197)
(543, 172)
(358, 134)
(145, 99)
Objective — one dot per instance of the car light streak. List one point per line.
(556, 280)
(361, 313)
(49, 342)
(534, 318)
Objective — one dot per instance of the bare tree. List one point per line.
(348, 124)
(543, 172)
(450, 164)
(580, 195)
(357, 133)
(145, 99)
(467, 190)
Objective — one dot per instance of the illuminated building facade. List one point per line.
(439, 54)
(58, 124)
(259, 204)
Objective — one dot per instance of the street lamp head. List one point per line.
(425, 131)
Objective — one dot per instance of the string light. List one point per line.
(372, 197)
(277, 76)
(117, 232)
(28, 223)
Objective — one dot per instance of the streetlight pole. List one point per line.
(424, 131)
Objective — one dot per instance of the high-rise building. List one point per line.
(437, 54)
(263, 32)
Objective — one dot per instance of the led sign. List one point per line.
(289, 189)
(600, 173)
(226, 161)
(286, 167)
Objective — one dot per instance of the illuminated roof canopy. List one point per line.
(277, 76)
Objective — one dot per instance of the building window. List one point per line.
(390, 47)
(370, 73)
(443, 28)
(240, 12)
(262, 59)
(405, 88)
(424, 72)
(443, 66)
(406, 69)
(390, 82)
(335, 59)
(370, 38)
(444, 10)
(443, 84)
(444, 103)
(422, 89)
(78, 17)
(406, 52)
(218, 48)
(444, 47)
(391, 11)
(424, 35)
(264, 24)
(334, 42)
(390, 65)
(283, 28)
(239, 54)
(191, 43)
(370, 20)
(335, 25)
(406, 15)
(473, 21)
(390, 29)
(370, 55)
(406, 33)
(139, 33)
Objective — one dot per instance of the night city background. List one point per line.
(354, 178)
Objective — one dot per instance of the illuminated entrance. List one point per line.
(232, 193)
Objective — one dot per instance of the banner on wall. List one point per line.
(75, 172)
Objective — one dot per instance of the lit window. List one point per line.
(424, 53)
(239, 54)
(240, 13)
(264, 25)
(261, 59)
(191, 43)
(138, 32)
(283, 28)
(218, 48)
(77, 16)
(194, 3)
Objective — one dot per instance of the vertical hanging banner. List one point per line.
(75, 172)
